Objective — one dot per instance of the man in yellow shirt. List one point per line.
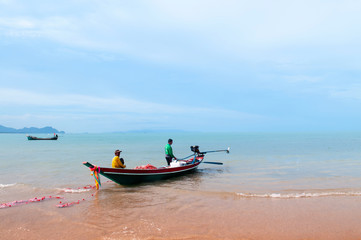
(118, 162)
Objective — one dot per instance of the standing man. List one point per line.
(169, 152)
(118, 162)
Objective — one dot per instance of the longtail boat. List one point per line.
(37, 138)
(125, 176)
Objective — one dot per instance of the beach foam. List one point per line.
(7, 185)
(298, 195)
(70, 190)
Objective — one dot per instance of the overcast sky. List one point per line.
(103, 66)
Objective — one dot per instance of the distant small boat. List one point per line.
(37, 138)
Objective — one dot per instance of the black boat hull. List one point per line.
(136, 176)
(36, 138)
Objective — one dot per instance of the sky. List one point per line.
(200, 65)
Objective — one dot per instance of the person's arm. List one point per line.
(122, 163)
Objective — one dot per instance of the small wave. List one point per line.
(298, 195)
(70, 190)
(7, 185)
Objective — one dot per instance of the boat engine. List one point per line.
(195, 149)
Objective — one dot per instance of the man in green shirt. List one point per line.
(169, 152)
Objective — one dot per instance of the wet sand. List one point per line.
(187, 217)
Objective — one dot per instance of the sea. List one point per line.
(47, 193)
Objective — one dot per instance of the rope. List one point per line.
(31, 200)
(41, 199)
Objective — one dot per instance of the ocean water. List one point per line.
(259, 166)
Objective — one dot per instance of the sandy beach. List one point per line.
(188, 218)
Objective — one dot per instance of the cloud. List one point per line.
(77, 113)
(303, 78)
(26, 98)
(88, 104)
(352, 92)
(189, 31)
(260, 55)
(17, 23)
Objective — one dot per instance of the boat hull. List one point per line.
(137, 176)
(36, 138)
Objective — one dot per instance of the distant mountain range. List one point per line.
(4, 129)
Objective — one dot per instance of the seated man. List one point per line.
(118, 162)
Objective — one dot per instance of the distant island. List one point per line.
(4, 129)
